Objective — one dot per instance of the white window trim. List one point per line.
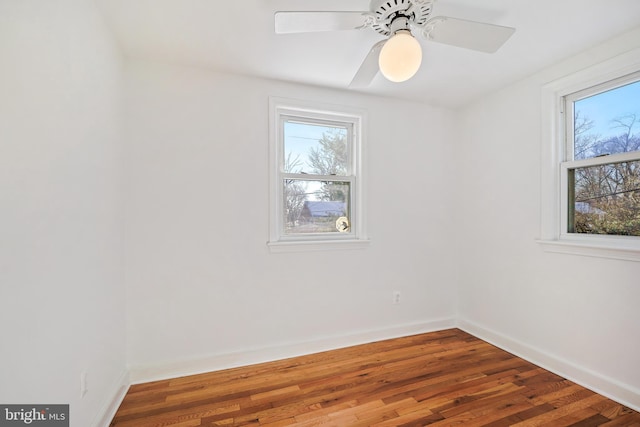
(553, 237)
(356, 238)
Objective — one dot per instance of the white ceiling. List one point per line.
(238, 36)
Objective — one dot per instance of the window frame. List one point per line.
(283, 109)
(568, 162)
(557, 135)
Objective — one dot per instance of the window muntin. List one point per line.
(316, 184)
(601, 170)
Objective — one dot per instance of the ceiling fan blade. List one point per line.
(467, 34)
(369, 67)
(309, 22)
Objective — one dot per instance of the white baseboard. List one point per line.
(108, 410)
(611, 388)
(142, 374)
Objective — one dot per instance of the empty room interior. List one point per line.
(192, 186)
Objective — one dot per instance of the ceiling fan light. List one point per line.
(400, 57)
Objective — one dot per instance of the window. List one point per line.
(591, 161)
(316, 177)
(601, 168)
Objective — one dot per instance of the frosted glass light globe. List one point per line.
(400, 57)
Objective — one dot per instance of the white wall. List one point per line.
(203, 290)
(61, 222)
(576, 315)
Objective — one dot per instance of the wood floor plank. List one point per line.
(442, 378)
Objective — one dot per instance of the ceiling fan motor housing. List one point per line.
(385, 12)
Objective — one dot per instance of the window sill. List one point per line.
(589, 249)
(318, 245)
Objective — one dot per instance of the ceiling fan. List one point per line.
(399, 57)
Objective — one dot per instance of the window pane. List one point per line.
(315, 148)
(605, 199)
(315, 206)
(608, 122)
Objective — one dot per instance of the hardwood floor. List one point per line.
(439, 379)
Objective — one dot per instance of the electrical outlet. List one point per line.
(83, 385)
(396, 297)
